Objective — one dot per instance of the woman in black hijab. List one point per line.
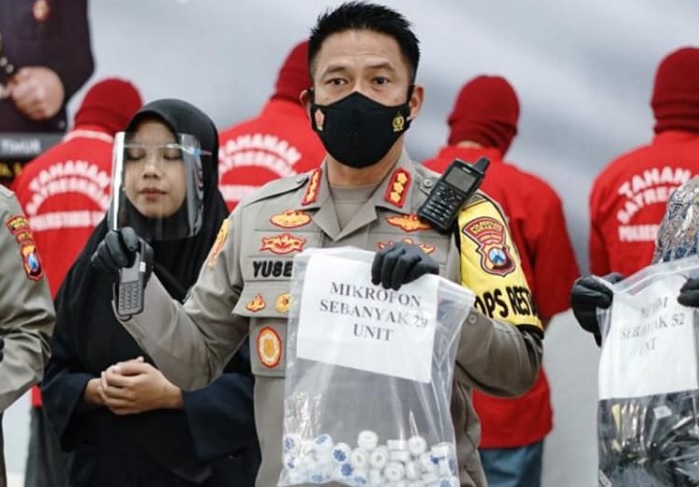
(154, 434)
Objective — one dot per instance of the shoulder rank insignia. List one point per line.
(397, 188)
(312, 191)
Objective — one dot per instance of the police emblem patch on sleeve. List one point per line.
(218, 243)
(19, 227)
(489, 236)
(31, 261)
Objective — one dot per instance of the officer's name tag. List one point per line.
(346, 320)
(650, 348)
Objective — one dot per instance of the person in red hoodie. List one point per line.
(628, 197)
(278, 142)
(65, 193)
(483, 123)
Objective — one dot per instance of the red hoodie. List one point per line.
(628, 201)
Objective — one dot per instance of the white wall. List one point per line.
(583, 71)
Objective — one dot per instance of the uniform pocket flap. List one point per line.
(264, 300)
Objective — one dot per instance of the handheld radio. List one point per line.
(451, 192)
(131, 287)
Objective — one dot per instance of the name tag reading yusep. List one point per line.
(346, 320)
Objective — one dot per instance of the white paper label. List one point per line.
(650, 348)
(346, 320)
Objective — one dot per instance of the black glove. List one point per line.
(118, 250)
(2, 347)
(400, 264)
(689, 293)
(587, 295)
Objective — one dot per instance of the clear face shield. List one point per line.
(157, 186)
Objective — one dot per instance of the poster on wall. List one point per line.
(45, 57)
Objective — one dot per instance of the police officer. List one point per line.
(26, 309)
(363, 60)
(45, 57)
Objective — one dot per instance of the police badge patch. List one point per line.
(218, 243)
(489, 236)
(269, 347)
(19, 227)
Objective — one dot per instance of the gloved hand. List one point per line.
(587, 295)
(400, 264)
(689, 293)
(2, 347)
(118, 250)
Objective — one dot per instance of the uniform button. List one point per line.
(300, 179)
(427, 183)
(472, 319)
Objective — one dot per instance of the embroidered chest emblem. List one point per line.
(425, 247)
(291, 219)
(408, 223)
(282, 244)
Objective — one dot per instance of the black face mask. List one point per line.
(358, 131)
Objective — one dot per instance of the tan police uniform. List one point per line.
(26, 308)
(244, 288)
